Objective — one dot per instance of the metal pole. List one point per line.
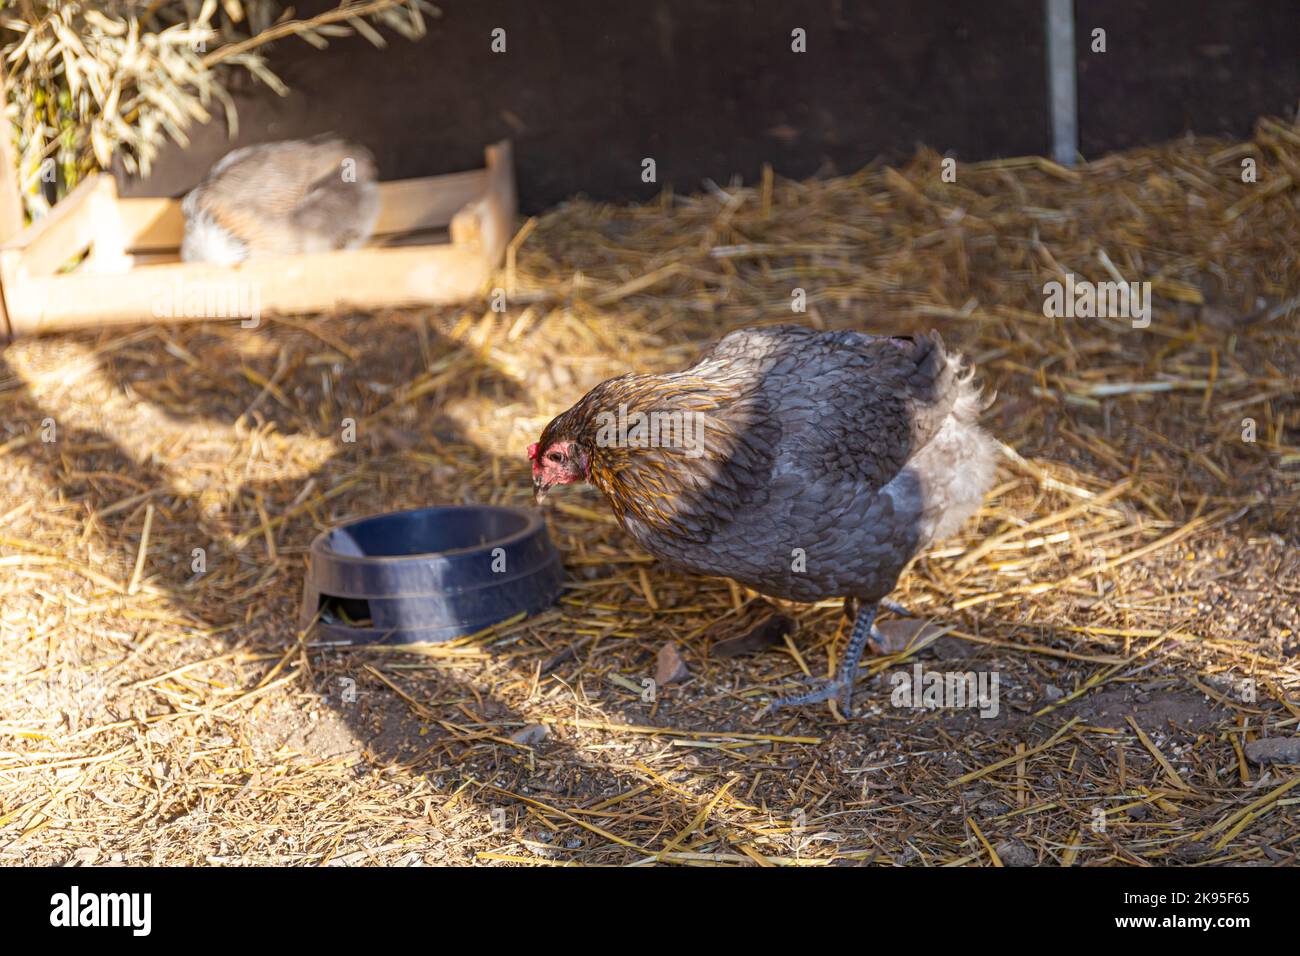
(1062, 97)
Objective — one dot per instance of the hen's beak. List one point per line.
(539, 491)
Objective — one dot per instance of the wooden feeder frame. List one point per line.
(97, 259)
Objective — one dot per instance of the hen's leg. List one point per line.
(895, 608)
(877, 644)
(841, 688)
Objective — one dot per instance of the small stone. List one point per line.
(85, 856)
(1015, 853)
(670, 668)
(1274, 750)
(1052, 692)
(992, 808)
(1190, 852)
(952, 649)
(531, 735)
(761, 636)
(898, 636)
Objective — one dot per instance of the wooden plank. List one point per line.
(167, 254)
(11, 199)
(361, 278)
(406, 205)
(485, 226)
(62, 235)
(108, 247)
(151, 225)
(501, 203)
(409, 205)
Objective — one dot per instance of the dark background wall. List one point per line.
(710, 88)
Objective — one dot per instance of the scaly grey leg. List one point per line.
(841, 688)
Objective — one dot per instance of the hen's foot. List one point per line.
(836, 690)
(841, 688)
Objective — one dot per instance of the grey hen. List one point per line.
(803, 464)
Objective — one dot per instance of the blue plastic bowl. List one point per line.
(432, 574)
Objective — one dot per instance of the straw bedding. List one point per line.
(1131, 580)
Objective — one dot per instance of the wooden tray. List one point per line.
(98, 260)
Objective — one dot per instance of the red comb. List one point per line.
(532, 452)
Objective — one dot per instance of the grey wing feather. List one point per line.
(847, 403)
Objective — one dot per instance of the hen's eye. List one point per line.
(555, 456)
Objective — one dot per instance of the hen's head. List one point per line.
(557, 460)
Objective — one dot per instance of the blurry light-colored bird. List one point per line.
(283, 198)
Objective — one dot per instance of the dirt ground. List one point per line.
(1131, 581)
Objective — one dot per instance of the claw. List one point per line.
(838, 690)
(841, 688)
